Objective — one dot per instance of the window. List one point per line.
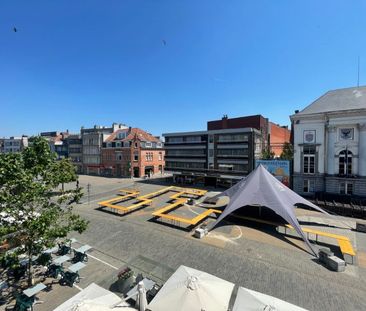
(308, 186)
(148, 144)
(345, 162)
(135, 144)
(109, 145)
(118, 144)
(309, 160)
(175, 139)
(119, 156)
(149, 156)
(121, 135)
(346, 188)
(232, 137)
(210, 153)
(210, 139)
(160, 156)
(136, 156)
(232, 152)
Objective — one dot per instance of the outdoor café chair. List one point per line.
(27, 299)
(23, 303)
(44, 259)
(55, 270)
(63, 249)
(69, 278)
(79, 257)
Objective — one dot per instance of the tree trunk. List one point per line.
(30, 265)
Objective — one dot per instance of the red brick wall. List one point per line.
(155, 162)
(279, 136)
(118, 167)
(121, 167)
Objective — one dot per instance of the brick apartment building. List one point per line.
(132, 152)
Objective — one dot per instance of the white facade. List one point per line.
(14, 144)
(330, 146)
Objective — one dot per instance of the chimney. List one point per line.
(224, 121)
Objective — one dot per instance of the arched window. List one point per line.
(345, 162)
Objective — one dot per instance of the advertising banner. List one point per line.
(278, 168)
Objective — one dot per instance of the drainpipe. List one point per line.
(326, 124)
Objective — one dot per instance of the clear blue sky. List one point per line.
(74, 63)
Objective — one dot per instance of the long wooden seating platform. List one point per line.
(163, 212)
(147, 198)
(344, 242)
(130, 194)
(188, 221)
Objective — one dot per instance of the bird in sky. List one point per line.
(164, 42)
(15, 30)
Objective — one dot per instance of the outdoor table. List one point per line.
(83, 249)
(148, 284)
(76, 267)
(3, 285)
(73, 240)
(51, 250)
(61, 260)
(30, 292)
(25, 261)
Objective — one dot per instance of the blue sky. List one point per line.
(74, 63)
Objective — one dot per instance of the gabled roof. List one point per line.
(338, 100)
(132, 133)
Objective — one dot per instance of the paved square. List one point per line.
(248, 254)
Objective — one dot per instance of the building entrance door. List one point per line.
(136, 172)
(118, 170)
(149, 171)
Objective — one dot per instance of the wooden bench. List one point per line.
(347, 251)
(169, 207)
(343, 242)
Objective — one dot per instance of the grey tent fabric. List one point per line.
(261, 188)
(232, 190)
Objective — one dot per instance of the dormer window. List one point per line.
(121, 135)
(148, 144)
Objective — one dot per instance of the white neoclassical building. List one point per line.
(330, 144)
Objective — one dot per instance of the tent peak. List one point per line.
(192, 282)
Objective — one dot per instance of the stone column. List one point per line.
(330, 168)
(362, 150)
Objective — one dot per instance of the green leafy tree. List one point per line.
(63, 171)
(267, 154)
(30, 206)
(287, 152)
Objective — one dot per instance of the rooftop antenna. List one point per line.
(358, 72)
